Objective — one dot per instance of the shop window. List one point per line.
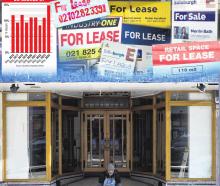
(74, 102)
(55, 141)
(181, 96)
(160, 138)
(55, 98)
(71, 141)
(160, 98)
(142, 101)
(191, 142)
(106, 102)
(26, 142)
(142, 141)
(37, 96)
(25, 97)
(17, 97)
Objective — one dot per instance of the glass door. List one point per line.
(106, 138)
(94, 137)
(119, 140)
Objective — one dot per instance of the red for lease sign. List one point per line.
(186, 53)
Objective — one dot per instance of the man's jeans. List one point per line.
(116, 184)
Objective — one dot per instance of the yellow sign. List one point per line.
(77, 54)
(153, 14)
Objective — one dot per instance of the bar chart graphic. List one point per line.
(29, 37)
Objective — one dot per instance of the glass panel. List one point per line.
(190, 127)
(95, 138)
(181, 96)
(71, 102)
(142, 101)
(111, 140)
(55, 142)
(16, 96)
(142, 140)
(55, 98)
(36, 97)
(161, 133)
(118, 141)
(71, 141)
(106, 102)
(25, 96)
(26, 142)
(161, 98)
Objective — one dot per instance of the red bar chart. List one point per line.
(36, 37)
(29, 35)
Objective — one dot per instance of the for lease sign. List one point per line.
(68, 12)
(185, 53)
(187, 61)
(83, 40)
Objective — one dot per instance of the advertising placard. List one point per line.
(153, 14)
(187, 61)
(142, 35)
(68, 12)
(83, 40)
(143, 66)
(29, 39)
(194, 20)
(117, 60)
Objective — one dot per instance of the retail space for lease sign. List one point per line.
(187, 61)
(194, 20)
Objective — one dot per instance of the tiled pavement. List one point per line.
(94, 181)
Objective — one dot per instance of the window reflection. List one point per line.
(95, 140)
(118, 140)
(160, 136)
(71, 141)
(191, 127)
(26, 142)
(142, 141)
(55, 141)
(37, 139)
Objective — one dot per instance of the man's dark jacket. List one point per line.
(106, 175)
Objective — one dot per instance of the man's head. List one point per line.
(110, 168)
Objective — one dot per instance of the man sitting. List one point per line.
(110, 177)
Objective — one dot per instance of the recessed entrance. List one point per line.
(106, 138)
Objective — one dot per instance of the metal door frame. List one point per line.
(106, 114)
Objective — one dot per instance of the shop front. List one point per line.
(163, 137)
(86, 83)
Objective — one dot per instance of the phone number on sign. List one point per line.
(82, 13)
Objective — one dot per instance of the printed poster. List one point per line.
(68, 12)
(29, 39)
(83, 40)
(187, 62)
(152, 14)
(194, 20)
(117, 60)
(143, 35)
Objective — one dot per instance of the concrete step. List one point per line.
(94, 181)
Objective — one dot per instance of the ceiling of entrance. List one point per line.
(77, 89)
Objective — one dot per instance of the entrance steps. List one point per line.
(93, 181)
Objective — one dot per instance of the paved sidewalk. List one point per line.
(94, 181)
